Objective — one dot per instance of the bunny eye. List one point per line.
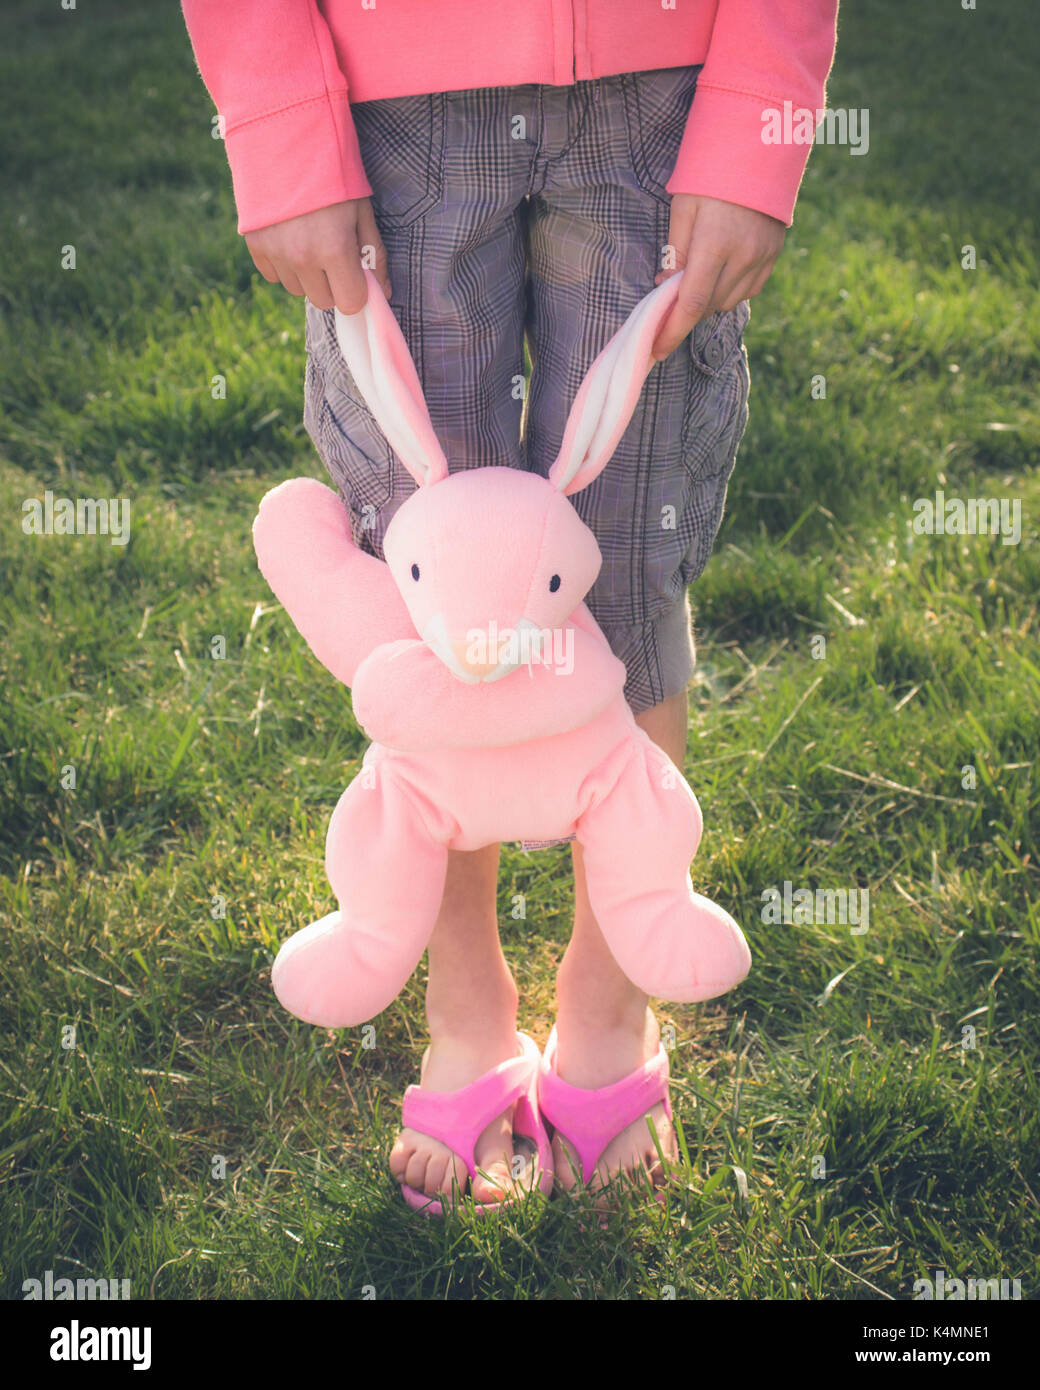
(415, 571)
(554, 583)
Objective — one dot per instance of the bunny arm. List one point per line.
(404, 697)
(342, 600)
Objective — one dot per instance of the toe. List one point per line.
(603, 1176)
(415, 1171)
(456, 1175)
(399, 1157)
(433, 1183)
(494, 1158)
(640, 1172)
(492, 1183)
(452, 1177)
(655, 1172)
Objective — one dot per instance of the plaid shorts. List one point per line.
(539, 212)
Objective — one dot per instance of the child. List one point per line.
(529, 170)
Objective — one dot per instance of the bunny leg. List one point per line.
(387, 873)
(637, 846)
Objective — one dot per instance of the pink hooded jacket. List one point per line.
(283, 73)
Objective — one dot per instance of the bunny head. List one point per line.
(484, 556)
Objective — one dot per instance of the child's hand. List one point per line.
(319, 254)
(728, 253)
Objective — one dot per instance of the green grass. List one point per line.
(842, 1140)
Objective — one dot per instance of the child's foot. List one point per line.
(592, 1053)
(429, 1166)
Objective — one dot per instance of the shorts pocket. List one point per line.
(713, 425)
(657, 106)
(717, 391)
(401, 141)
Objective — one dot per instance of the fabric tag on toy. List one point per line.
(526, 845)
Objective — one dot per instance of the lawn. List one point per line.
(865, 1109)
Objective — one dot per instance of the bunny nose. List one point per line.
(479, 669)
(484, 655)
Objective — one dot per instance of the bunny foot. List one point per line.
(671, 942)
(349, 966)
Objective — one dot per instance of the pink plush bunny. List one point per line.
(493, 701)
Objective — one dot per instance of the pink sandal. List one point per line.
(589, 1120)
(458, 1118)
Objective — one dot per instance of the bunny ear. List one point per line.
(374, 349)
(608, 395)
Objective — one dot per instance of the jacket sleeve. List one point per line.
(762, 53)
(272, 72)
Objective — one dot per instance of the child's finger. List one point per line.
(290, 280)
(745, 288)
(731, 297)
(760, 281)
(704, 268)
(265, 267)
(696, 295)
(316, 287)
(744, 285)
(681, 220)
(347, 284)
(368, 237)
(735, 282)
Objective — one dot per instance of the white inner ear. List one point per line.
(381, 388)
(591, 421)
(620, 362)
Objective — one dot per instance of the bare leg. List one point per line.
(471, 1002)
(605, 1028)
